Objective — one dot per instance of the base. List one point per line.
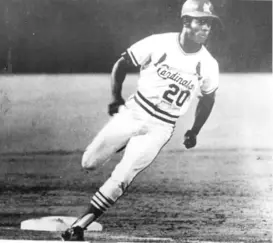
(55, 223)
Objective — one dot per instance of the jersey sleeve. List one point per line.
(141, 50)
(210, 76)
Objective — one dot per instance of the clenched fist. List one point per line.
(114, 106)
(190, 139)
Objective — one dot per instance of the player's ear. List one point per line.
(186, 21)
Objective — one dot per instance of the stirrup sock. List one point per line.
(98, 205)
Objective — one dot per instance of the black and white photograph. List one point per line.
(136, 121)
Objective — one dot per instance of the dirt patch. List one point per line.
(224, 195)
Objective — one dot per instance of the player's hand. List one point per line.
(114, 106)
(190, 139)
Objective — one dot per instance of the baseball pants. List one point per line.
(144, 135)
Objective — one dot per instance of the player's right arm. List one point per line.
(134, 56)
(118, 75)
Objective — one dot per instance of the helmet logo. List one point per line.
(207, 7)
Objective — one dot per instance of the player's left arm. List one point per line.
(204, 106)
(203, 111)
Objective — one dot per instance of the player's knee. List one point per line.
(88, 163)
(88, 166)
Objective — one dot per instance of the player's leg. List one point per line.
(112, 137)
(140, 152)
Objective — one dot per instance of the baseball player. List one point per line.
(174, 68)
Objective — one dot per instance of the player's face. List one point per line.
(200, 29)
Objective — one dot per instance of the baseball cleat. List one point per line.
(73, 234)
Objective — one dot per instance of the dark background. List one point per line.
(81, 36)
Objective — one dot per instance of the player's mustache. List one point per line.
(203, 33)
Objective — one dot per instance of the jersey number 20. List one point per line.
(174, 94)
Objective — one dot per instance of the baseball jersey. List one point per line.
(170, 78)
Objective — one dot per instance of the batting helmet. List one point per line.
(198, 8)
